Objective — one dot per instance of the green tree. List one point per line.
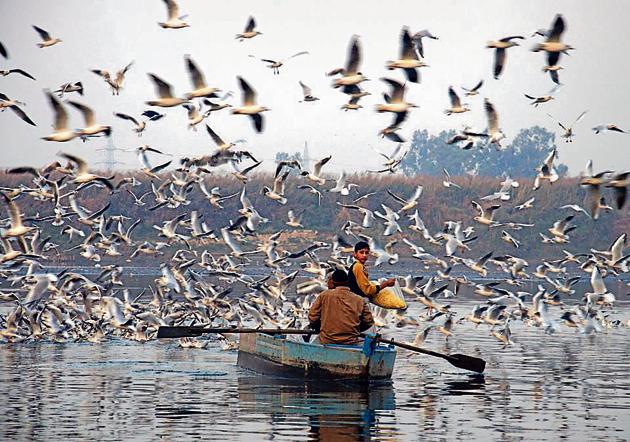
(429, 154)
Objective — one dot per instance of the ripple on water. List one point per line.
(560, 386)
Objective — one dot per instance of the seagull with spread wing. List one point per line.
(275, 65)
(250, 107)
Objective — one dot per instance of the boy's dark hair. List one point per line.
(361, 245)
(339, 277)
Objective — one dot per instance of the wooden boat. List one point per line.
(278, 356)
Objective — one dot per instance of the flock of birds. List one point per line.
(200, 286)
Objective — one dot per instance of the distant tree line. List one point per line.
(429, 154)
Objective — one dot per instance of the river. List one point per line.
(543, 387)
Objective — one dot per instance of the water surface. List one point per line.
(560, 386)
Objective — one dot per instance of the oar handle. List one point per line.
(412, 348)
(198, 330)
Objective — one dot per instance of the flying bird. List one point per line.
(474, 90)
(47, 40)
(568, 130)
(6, 102)
(115, 83)
(22, 72)
(495, 135)
(408, 60)
(250, 107)
(417, 40)
(307, 93)
(500, 47)
(275, 65)
(62, 132)
(250, 31)
(174, 20)
(350, 75)
(66, 88)
(552, 45)
(608, 127)
(202, 90)
(91, 127)
(165, 93)
(456, 104)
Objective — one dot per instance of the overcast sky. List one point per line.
(110, 34)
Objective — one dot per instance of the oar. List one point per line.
(198, 330)
(460, 361)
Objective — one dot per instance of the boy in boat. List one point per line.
(338, 314)
(358, 278)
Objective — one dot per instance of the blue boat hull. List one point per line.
(278, 356)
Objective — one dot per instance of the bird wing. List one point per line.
(120, 75)
(476, 88)
(354, 57)
(61, 115)
(579, 118)
(556, 30)
(251, 24)
(297, 54)
(162, 88)
(317, 168)
(416, 194)
(455, 102)
(398, 90)
(249, 94)
(20, 113)
(43, 34)
(195, 74)
(482, 261)
(418, 42)
(126, 117)
(159, 167)
(102, 73)
(597, 282)
(3, 51)
(396, 197)
(407, 51)
(250, 168)
(217, 139)
(491, 115)
(477, 206)
(14, 211)
(258, 122)
(82, 166)
(499, 61)
(172, 8)
(22, 72)
(88, 114)
(278, 183)
(305, 89)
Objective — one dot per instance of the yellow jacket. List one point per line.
(360, 280)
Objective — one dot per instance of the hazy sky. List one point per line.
(110, 34)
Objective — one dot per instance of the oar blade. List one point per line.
(466, 362)
(179, 332)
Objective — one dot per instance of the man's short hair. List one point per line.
(361, 245)
(339, 277)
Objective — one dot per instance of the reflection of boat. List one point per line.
(336, 410)
(278, 356)
(315, 397)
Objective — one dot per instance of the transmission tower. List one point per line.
(109, 156)
(306, 159)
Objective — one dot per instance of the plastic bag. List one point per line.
(390, 298)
